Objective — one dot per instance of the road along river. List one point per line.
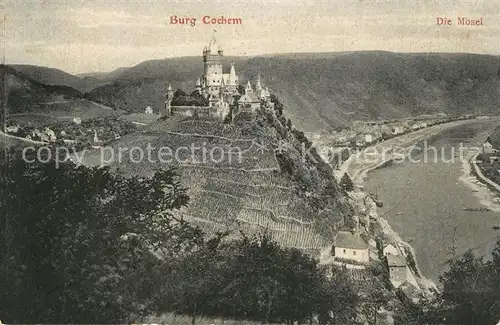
(424, 198)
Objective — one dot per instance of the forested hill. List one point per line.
(325, 90)
(25, 95)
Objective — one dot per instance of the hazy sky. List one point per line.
(86, 36)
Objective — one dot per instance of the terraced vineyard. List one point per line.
(243, 190)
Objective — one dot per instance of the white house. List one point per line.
(351, 246)
(390, 250)
(148, 110)
(368, 138)
(487, 148)
(397, 130)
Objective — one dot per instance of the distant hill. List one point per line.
(329, 90)
(27, 97)
(51, 76)
(103, 76)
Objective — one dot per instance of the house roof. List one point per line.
(349, 240)
(396, 260)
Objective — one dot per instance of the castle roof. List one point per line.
(346, 239)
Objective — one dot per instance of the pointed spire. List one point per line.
(258, 86)
(232, 72)
(169, 87)
(198, 82)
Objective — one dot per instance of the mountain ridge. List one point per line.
(328, 90)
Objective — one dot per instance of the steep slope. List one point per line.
(328, 90)
(51, 76)
(258, 178)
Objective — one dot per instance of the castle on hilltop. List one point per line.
(218, 94)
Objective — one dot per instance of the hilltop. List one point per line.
(51, 76)
(28, 100)
(293, 196)
(329, 90)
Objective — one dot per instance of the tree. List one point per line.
(84, 250)
(346, 183)
(470, 290)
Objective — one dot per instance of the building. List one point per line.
(249, 101)
(368, 138)
(487, 148)
(220, 90)
(148, 110)
(398, 269)
(397, 130)
(390, 250)
(348, 245)
(214, 80)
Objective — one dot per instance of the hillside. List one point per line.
(51, 76)
(296, 200)
(328, 90)
(27, 98)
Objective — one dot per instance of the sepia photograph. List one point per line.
(250, 162)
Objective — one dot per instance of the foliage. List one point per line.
(346, 183)
(254, 278)
(80, 251)
(470, 294)
(95, 247)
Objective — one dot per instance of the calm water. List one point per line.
(424, 202)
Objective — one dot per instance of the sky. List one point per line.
(91, 36)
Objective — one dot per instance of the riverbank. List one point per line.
(378, 156)
(424, 200)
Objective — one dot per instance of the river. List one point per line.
(424, 200)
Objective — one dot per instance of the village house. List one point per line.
(487, 148)
(148, 110)
(397, 130)
(352, 246)
(390, 250)
(398, 270)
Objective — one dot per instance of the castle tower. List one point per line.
(198, 85)
(258, 86)
(168, 99)
(212, 63)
